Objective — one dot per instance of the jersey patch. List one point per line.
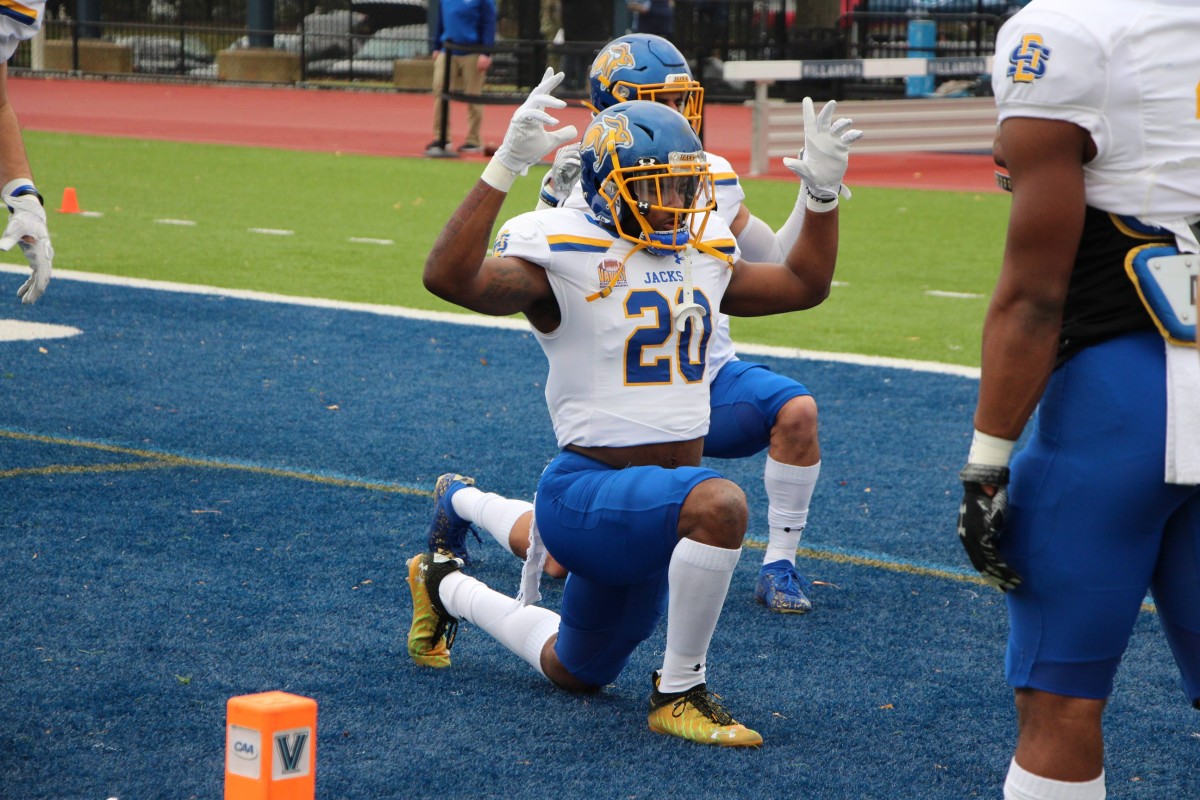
(1028, 60)
(501, 243)
(611, 272)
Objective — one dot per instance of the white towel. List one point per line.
(531, 571)
(1183, 387)
(1183, 415)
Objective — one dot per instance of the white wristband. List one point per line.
(991, 451)
(821, 206)
(498, 176)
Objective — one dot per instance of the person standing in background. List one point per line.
(549, 26)
(27, 225)
(461, 22)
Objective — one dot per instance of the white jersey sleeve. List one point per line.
(1126, 71)
(620, 374)
(18, 21)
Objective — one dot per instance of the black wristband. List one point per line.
(29, 188)
(816, 199)
(984, 475)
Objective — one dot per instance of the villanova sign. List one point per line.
(292, 749)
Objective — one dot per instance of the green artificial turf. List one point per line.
(896, 245)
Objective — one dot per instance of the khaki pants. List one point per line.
(465, 77)
(550, 23)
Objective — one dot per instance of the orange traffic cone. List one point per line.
(70, 203)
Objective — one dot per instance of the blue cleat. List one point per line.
(781, 588)
(448, 531)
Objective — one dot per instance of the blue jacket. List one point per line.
(466, 21)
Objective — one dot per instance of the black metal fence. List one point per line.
(358, 42)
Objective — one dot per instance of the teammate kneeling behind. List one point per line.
(623, 302)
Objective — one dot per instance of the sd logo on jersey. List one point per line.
(605, 134)
(608, 62)
(501, 243)
(1028, 60)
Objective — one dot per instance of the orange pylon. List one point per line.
(70, 203)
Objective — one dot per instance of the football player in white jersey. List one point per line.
(623, 301)
(27, 224)
(1089, 323)
(753, 408)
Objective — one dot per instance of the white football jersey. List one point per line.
(620, 373)
(1127, 71)
(18, 21)
(730, 196)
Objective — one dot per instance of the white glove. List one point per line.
(557, 184)
(826, 154)
(526, 141)
(27, 228)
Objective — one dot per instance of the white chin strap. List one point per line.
(687, 309)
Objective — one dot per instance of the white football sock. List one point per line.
(698, 577)
(1022, 785)
(789, 490)
(524, 630)
(493, 513)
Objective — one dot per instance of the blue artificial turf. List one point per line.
(216, 497)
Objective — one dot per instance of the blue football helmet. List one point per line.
(645, 176)
(642, 66)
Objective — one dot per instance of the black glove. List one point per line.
(980, 520)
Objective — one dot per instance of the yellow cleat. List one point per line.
(433, 629)
(696, 715)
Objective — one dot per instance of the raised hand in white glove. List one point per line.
(527, 140)
(822, 163)
(27, 228)
(557, 184)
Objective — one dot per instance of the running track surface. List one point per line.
(389, 124)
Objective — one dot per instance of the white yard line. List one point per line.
(475, 320)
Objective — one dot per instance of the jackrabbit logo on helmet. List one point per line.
(612, 129)
(616, 56)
